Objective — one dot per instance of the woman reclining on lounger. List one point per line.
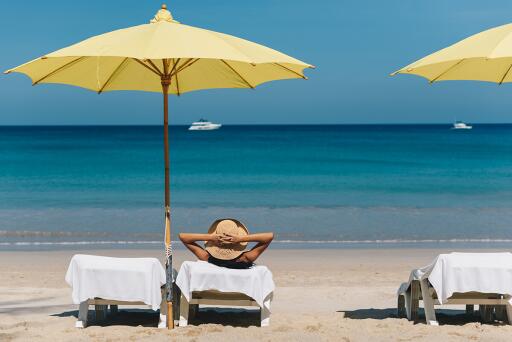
(225, 244)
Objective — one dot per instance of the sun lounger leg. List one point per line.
(162, 322)
(184, 309)
(401, 310)
(265, 316)
(407, 297)
(509, 313)
(494, 312)
(415, 300)
(428, 303)
(82, 314)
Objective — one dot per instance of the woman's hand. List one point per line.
(217, 239)
(230, 239)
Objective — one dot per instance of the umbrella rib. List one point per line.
(168, 64)
(504, 76)
(446, 71)
(290, 70)
(67, 65)
(177, 84)
(111, 77)
(186, 65)
(238, 74)
(154, 66)
(174, 65)
(148, 67)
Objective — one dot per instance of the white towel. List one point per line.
(467, 272)
(255, 282)
(123, 279)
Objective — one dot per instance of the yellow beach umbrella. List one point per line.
(167, 57)
(486, 56)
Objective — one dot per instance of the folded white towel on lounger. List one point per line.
(123, 279)
(255, 282)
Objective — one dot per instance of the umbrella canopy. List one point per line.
(136, 58)
(167, 57)
(486, 56)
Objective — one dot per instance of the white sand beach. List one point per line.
(321, 295)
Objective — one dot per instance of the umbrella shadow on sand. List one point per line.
(448, 317)
(149, 318)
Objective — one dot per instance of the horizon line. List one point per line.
(258, 124)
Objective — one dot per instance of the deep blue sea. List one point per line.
(324, 185)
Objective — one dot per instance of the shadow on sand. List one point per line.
(149, 318)
(448, 317)
(128, 317)
(227, 316)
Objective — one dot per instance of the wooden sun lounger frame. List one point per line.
(101, 306)
(188, 309)
(101, 309)
(408, 303)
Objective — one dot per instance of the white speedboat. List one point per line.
(461, 125)
(203, 125)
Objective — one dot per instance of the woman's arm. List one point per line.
(190, 241)
(261, 238)
(191, 237)
(263, 241)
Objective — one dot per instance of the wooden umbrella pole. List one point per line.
(166, 81)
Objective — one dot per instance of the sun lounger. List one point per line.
(202, 283)
(103, 281)
(483, 279)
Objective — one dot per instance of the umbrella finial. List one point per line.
(163, 15)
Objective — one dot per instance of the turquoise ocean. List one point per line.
(314, 186)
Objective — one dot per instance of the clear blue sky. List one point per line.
(354, 44)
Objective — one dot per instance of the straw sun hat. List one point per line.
(231, 227)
